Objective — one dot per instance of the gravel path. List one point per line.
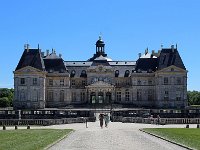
(118, 136)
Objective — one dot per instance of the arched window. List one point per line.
(116, 73)
(73, 72)
(83, 73)
(127, 72)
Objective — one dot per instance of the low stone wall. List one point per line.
(45, 122)
(161, 121)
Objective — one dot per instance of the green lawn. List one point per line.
(29, 139)
(188, 137)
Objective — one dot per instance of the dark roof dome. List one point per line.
(100, 41)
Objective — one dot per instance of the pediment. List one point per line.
(172, 69)
(28, 69)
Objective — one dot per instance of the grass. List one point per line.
(30, 139)
(188, 137)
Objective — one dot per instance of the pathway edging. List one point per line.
(166, 140)
(55, 142)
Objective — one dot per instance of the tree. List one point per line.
(193, 97)
(4, 102)
(6, 93)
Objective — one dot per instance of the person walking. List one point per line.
(106, 118)
(101, 120)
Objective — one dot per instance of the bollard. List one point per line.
(4, 127)
(187, 126)
(197, 125)
(16, 127)
(28, 127)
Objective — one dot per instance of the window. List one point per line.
(127, 82)
(50, 82)
(62, 82)
(22, 81)
(178, 95)
(73, 83)
(116, 73)
(117, 83)
(35, 95)
(82, 96)
(50, 96)
(22, 95)
(165, 80)
(34, 81)
(139, 82)
(166, 96)
(83, 83)
(139, 94)
(150, 82)
(73, 96)
(150, 95)
(61, 95)
(127, 95)
(178, 80)
(118, 96)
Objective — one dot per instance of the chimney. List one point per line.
(42, 54)
(47, 52)
(172, 47)
(139, 54)
(27, 47)
(60, 55)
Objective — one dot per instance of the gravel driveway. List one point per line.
(118, 136)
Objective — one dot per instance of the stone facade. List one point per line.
(155, 80)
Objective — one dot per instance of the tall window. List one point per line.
(139, 94)
(22, 95)
(61, 82)
(165, 80)
(82, 96)
(35, 95)
(139, 82)
(50, 82)
(34, 81)
(178, 95)
(150, 82)
(61, 95)
(150, 95)
(166, 96)
(83, 82)
(178, 80)
(119, 96)
(127, 95)
(50, 96)
(73, 96)
(73, 83)
(22, 81)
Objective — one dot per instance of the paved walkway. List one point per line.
(118, 136)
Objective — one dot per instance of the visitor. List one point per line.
(158, 119)
(101, 120)
(106, 118)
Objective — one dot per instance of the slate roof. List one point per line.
(170, 57)
(147, 64)
(31, 57)
(56, 64)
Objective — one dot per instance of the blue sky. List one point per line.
(72, 27)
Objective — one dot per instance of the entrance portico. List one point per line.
(100, 93)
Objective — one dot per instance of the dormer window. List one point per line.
(116, 73)
(73, 73)
(127, 72)
(83, 73)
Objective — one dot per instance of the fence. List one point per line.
(45, 122)
(161, 121)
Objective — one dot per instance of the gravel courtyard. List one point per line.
(118, 136)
